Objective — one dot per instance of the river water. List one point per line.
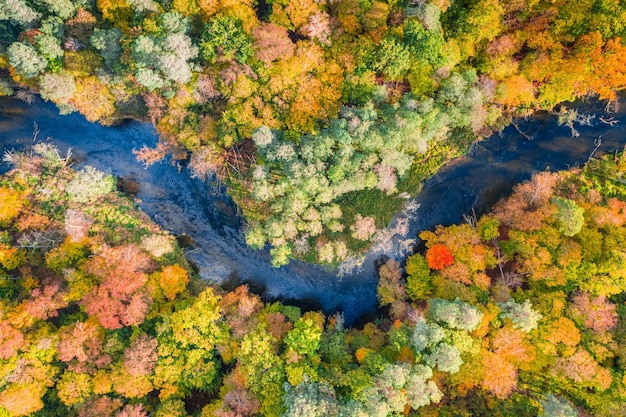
(189, 207)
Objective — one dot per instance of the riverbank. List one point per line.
(516, 313)
(188, 206)
(320, 120)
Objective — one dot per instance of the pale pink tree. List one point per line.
(271, 42)
(141, 356)
(598, 313)
(363, 228)
(239, 403)
(318, 27)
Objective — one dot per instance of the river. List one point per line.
(207, 217)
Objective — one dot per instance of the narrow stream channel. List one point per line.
(187, 206)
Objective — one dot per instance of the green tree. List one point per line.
(569, 215)
(488, 228)
(305, 337)
(419, 280)
(427, 46)
(107, 42)
(263, 370)
(224, 37)
(186, 350)
(392, 58)
(26, 60)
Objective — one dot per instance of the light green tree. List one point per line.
(522, 315)
(445, 357)
(26, 60)
(456, 314)
(89, 184)
(553, 406)
(65, 9)
(569, 215)
(309, 399)
(17, 11)
(57, 87)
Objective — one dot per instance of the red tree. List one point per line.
(439, 256)
(121, 298)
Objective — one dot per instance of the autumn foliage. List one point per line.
(322, 118)
(439, 256)
(433, 75)
(11, 201)
(544, 315)
(121, 298)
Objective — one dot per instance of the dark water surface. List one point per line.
(187, 206)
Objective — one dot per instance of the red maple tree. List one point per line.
(439, 256)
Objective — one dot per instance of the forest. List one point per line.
(322, 117)
(520, 312)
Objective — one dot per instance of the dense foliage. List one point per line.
(350, 103)
(520, 312)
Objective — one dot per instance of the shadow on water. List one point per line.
(206, 221)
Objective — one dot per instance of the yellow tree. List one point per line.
(173, 280)
(11, 203)
(499, 375)
(116, 11)
(93, 99)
